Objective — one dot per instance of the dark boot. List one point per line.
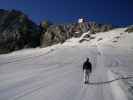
(86, 82)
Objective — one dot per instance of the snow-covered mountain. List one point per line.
(18, 31)
(55, 72)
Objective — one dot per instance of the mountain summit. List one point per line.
(60, 33)
(17, 31)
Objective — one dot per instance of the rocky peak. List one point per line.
(17, 31)
(129, 29)
(59, 33)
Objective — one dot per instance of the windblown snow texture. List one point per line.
(55, 73)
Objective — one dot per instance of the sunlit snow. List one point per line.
(55, 73)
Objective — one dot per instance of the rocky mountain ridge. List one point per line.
(17, 31)
(59, 33)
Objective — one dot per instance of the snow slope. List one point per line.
(55, 73)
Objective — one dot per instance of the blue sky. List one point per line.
(116, 12)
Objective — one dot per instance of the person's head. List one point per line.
(87, 59)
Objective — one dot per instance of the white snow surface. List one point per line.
(55, 73)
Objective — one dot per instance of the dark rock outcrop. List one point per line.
(45, 25)
(95, 28)
(129, 29)
(17, 31)
(59, 33)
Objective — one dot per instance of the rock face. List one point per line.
(129, 29)
(59, 33)
(17, 31)
(94, 27)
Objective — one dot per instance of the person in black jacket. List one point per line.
(87, 69)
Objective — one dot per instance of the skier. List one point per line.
(87, 68)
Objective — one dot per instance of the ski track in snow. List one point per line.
(59, 78)
(56, 74)
(35, 79)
